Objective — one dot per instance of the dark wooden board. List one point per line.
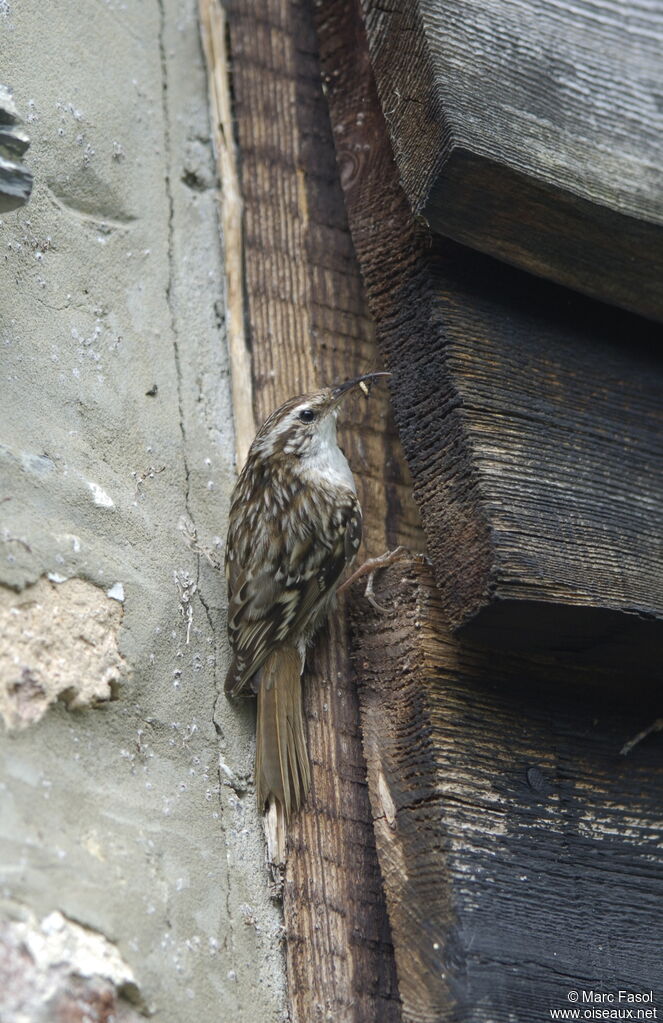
(532, 131)
(531, 416)
(308, 326)
(522, 855)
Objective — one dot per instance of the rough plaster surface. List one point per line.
(115, 451)
(56, 642)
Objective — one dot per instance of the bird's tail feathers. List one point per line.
(283, 774)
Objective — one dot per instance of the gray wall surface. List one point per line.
(132, 874)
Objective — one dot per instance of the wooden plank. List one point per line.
(521, 854)
(531, 417)
(531, 131)
(308, 326)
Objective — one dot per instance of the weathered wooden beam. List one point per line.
(307, 325)
(531, 417)
(531, 131)
(521, 854)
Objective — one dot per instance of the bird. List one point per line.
(295, 525)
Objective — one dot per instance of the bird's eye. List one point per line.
(307, 415)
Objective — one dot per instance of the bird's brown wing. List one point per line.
(276, 595)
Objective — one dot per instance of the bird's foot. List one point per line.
(369, 568)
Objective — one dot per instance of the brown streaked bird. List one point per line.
(295, 525)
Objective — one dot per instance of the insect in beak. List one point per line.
(363, 383)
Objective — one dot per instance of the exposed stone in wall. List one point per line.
(54, 971)
(58, 641)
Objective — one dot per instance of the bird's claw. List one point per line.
(369, 568)
(370, 595)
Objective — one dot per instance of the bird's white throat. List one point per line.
(325, 460)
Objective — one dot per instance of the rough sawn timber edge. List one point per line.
(513, 837)
(516, 401)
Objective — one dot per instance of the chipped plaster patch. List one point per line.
(56, 969)
(116, 592)
(57, 642)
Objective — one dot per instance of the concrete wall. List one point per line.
(132, 870)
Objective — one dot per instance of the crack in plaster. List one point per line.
(171, 233)
(180, 386)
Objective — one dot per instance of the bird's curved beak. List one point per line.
(340, 390)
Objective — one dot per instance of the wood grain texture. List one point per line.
(531, 131)
(308, 326)
(522, 855)
(531, 417)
